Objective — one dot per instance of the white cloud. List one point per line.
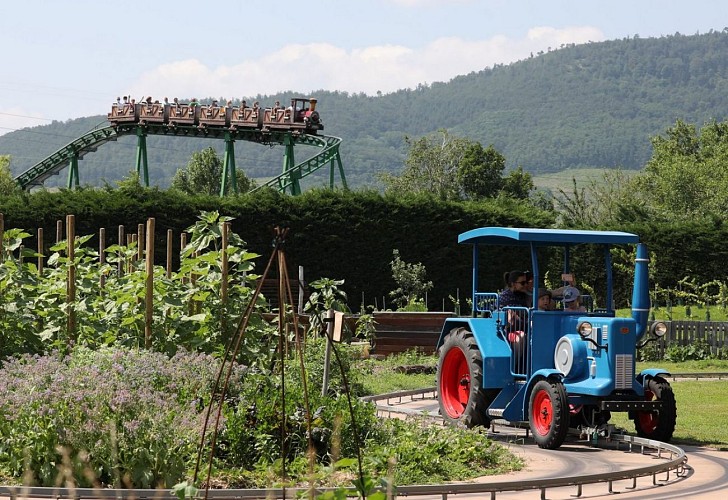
(386, 68)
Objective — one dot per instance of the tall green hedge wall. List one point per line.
(351, 235)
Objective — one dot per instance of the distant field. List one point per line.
(583, 176)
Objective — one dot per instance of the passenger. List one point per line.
(514, 295)
(194, 103)
(570, 299)
(243, 104)
(515, 292)
(529, 287)
(544, 300)
(118, 102)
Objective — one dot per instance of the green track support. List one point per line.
(228, 166)
(141, 155)
(289, 167)
(73, 171)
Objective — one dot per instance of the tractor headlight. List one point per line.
(584, 329)
(658, 329)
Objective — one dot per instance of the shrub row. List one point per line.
(351, 235)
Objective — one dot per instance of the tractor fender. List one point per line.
(543, 374)
(449, 325)
(649, 373)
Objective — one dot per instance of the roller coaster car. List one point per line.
(554, 369)
(123, 113)
(246, 118)
(153, 113)
(184, 114)
(300, 115)
(215, 115)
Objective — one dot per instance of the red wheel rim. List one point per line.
(648, 419)
(542, 412)
(455, 382)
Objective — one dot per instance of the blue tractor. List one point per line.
(555, 369)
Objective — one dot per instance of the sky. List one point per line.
(64, 59)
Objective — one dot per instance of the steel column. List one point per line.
(73, 171)
(141, 156)
(228, 166)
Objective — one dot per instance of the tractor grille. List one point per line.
(623, 371)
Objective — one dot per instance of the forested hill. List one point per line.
(581, 105)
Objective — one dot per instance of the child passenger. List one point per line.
(544, 300)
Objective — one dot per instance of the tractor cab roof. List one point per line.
(548, 237)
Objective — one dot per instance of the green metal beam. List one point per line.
(141, 156)
(228, 166)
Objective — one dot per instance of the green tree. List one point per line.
(410, 279)
(203, 175)
(518, 184)
(8, 185)
(430, 167)
(686, 176)
(480, 172)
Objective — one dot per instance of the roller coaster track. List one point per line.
(68, 155)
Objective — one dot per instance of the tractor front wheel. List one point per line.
(657, 425)
(549, 414)
(460, 379)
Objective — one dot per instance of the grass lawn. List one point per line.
(702, 413)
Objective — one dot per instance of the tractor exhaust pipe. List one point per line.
(641, 291)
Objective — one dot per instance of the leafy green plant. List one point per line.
(188, 308)
(326, 295)
(410, 279)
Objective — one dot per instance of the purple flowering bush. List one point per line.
(124, 418)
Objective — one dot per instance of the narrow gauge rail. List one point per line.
(672, 466)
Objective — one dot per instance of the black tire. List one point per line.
(460, 380)
(657, 425)
(548, 413)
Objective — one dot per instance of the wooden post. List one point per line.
(59, 231)
(182, 245)
(148, 303)
(224, 272)
(2, 236)
(140, 240)
(120, 264)
(40, 251)
(169, 253)
(224, 263)
(71, 276)
(102, 255)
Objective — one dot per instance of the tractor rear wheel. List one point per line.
(657, 425)
(549, 414)
(460, 380)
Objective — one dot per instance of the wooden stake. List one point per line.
(40, 251)
(148, 303)
(102, 255)
(140, 239)
(2, 236)
(120, 264)
(59, 231)
(170, 234)
(71, 276)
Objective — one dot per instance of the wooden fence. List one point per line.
(684, 333)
